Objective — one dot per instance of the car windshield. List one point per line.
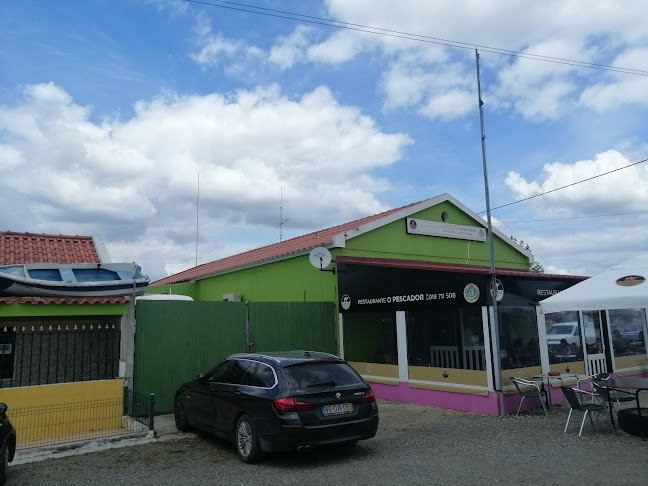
(317, 374)
(560, 329)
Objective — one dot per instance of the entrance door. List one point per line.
(594, 347)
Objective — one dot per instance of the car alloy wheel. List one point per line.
(180, 417)
(247, 443)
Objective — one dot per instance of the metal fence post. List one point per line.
(151, 409)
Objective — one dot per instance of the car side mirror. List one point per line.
(3, 407)
(200, 376)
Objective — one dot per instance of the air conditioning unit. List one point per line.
(231, 297)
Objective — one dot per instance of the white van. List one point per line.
(570, 332)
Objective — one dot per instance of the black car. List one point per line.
(7, 443)
(279, 402)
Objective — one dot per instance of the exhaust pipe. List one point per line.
(307, 448)
(300, 449)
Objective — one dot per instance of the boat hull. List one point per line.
(72, 280)
(23, 290)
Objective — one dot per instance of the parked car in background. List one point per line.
(570, 332)
(282, 401)
(7, 443)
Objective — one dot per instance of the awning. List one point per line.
(623, 286)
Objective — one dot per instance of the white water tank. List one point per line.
(231, 297)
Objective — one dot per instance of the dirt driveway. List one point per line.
(415, 445)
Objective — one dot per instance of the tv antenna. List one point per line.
(281, 220)
(320, 258)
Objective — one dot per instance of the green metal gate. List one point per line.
(281, 326)
(174, 341)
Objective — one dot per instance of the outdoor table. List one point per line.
(637, 384)
(548, 377)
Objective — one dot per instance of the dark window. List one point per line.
(370, 337)
(217, 373)
(250, 375)
(236, 372)
(313, 374)
(265, 377)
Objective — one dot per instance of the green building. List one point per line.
(414, 304)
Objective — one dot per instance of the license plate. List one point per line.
(337, 409)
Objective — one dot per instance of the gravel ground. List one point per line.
(415, 445)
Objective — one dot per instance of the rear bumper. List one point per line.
(289, 438)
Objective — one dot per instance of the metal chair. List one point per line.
(529, 389)
(575, 403)
(610, 396)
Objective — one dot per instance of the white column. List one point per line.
(542, 340)
(401, 339)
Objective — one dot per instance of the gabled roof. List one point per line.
(334, 237)
(22, 248)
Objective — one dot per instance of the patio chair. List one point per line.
(575, 403)
(591, 393)
(529, 389)
(617, 396)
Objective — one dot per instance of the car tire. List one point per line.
(4, 462)
(247, 441)
(180, 416)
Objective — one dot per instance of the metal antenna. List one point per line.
(281, 220)
(497, 363)
(197, 206)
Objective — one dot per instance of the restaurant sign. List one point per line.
(365, 288)
(445, 230)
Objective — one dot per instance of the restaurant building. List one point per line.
(414, 303)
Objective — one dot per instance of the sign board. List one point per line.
(367, 288)
(445, 230)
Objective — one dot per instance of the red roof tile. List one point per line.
(298, 244)
(20, 248)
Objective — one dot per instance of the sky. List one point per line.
(186, 131)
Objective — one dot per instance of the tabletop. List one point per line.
(560, 376)
(638, 383)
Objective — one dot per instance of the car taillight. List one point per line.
(291, 405)
(369, 397)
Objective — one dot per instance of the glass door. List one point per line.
(593, 345)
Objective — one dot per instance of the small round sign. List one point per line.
(471, 293)
(630, 280)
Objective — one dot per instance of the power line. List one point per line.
(573, 217)
(566, 186)
(406, 35)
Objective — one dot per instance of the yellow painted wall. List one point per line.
(454, 377)
(67, 408)
(376, 372)
(622, 364)
(526, 373)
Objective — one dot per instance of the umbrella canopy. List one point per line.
(623, 286)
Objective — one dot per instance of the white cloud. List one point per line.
(603, 33)
(134, 181)
(290, 49)
(592, 225)
(216, 49)
(621, 89)
(342, 46)
(444, 94)
(623, 190)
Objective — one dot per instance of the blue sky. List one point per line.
(110, 109)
